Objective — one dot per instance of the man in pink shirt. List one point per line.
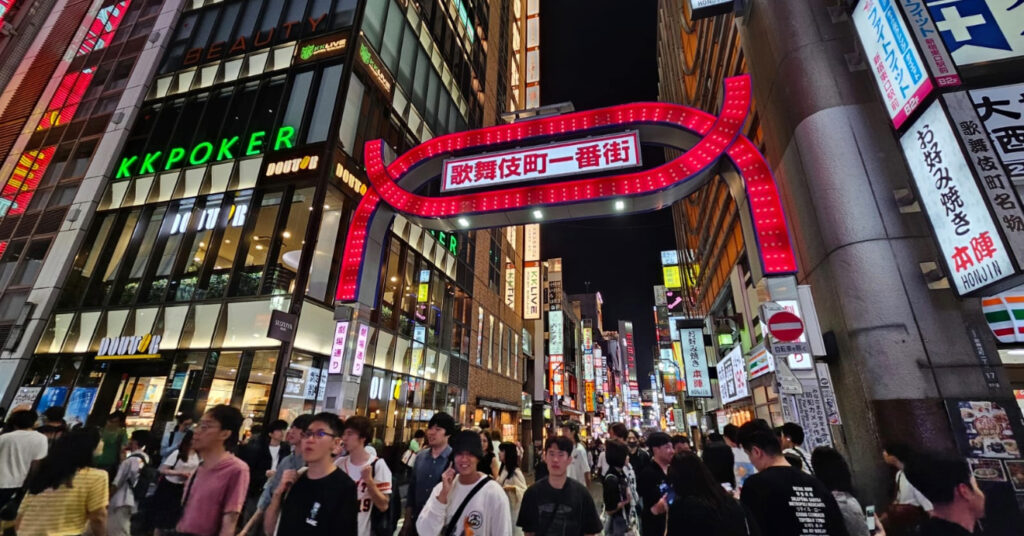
(215, 494)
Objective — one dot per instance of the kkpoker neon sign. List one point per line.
(205, 152)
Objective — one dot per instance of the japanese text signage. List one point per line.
(892, 54)
(360, 356)
(531, 290)
(531, 240)
(935, 54)
(338, 348)
(588, 354)
(602, 153)
(555, 333)
(969, 239)
(510, 286)
(1001, 110)
(977, 31)
(555, 372)
(691, 346)
(732, 376)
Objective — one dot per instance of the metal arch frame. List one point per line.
(704, 137)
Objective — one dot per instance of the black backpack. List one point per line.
(147, 477)
(385, 523)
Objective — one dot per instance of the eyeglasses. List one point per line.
(319, 434)
(206, 425)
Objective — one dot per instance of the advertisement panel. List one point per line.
(759, 362)
(1001, 110)
(979, 31)
(695, 360)
(556, 374)
(338, 348)
(588, 354)
(360, 355)
(972, 248)
(897, 66)
(531, 241)
(732, 376)
(588, 398)
(555, 333)
(940, 64)
(531, 290)
(673, 277)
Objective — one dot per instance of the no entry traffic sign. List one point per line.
(785, 326)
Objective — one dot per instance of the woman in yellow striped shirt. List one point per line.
(65, 494)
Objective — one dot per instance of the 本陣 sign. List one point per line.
(589, 155)
(972, 248)
(978, 31)
(1001, 110)
(895, 62)
(695, 360)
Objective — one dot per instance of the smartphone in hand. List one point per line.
(869, 516)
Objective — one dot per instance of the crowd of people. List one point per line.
(321, 474)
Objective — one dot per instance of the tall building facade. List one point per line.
(898, 347)
(215, 205)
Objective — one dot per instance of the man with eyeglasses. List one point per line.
(319, 500)
(291, 461)
(215, 494)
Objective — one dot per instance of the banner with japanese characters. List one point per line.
(732, 376)
(980, 31)
(940, 64)
(1001, 110)
(694, 358)
(893, 58)
(973, 251)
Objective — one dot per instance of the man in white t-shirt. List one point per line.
(19, 450)
(370, 473)
(579, 469)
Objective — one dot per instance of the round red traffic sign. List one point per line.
(785, 326)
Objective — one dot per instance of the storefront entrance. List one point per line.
(138, 397)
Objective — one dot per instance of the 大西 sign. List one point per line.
(1001, 110)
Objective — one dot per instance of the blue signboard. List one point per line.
(52, 396)
(80, 405)
(977, 31)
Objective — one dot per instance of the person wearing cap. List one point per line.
(466, 502)
(558, 505)
(429, 464)
(579, 469)
(651, 483)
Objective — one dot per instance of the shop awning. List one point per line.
(497, 404)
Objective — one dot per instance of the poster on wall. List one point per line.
(25, 398)
(79, 405)
(985, 470)
(979, 31)
(985, 429)
(812, 414)
(52, 396)
(1015, 470)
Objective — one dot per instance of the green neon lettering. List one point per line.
(175, 156)
(208, 147)
(286, 137)
(123, 170)
(453, 246)
(148, 161)
(224, 152)
(255, 141)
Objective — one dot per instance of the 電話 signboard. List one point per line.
(601, 153)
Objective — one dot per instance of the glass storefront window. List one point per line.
(245, 323)
(199, 326)
(186, 286)
(323, 255)
(325, 98)
(171, 324)
(392, 286)
(304, 383)
(223, 385)
(288, 244)
(53, 336)
(259, 243)
(316, 329)
(80, 333)
(257, 389)
(232, 221)
(126, 291)
(113, 259)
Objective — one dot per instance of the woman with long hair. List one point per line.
(65, 493)
(830, 467)
(488, 465)
(701, 505)
(719, 459)
(619, 509)
(511, 478)
(175, 471)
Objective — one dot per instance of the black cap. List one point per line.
(467, 441)
(443, 420)
(658, 439)
(572, 425)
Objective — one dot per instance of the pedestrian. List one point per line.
(782, 499)
(909, 507)
(115, 437)
(319, 499)
(214, 496)
(292, 461)
(489, 464)
(638, 457)
(579, 468)
(718, 458)
(172, 438)
(951, 488)
(558, 505)
(681, 443)
(619, 508)
(830, 467)
(21, 449)
(512, 480)
(430, 463)
(466, 502)
(53, 423)
(652, 483)
(742, 467)
(262, 454)
(418, 438)
(792, 436)
(122, 499)
(370, 473)
(65, 493)
(700, 505)
(175, 470)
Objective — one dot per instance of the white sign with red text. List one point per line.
(601, 153)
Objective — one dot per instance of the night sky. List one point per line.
(597, 53)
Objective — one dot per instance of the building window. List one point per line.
(479, 335)
(494, 261)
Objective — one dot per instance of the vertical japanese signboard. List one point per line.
(531, 290)
(338, 348)
(360, 355)
(979, 31)
(555, 333)
(556, 374)
(510, 286)
(1001, 110)
(972, 249)
(588, 354)
(732, 376)
(695, 359)
(893, 58)
(531, 242)
(934, 51)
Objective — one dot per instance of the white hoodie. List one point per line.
(486, 514)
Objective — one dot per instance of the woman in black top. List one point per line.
(619, 511)
(488, 465)
(701, 505)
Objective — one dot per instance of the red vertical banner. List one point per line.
(16, 194)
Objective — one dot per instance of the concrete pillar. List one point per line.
(902, 347)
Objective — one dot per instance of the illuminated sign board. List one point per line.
(292, 166)
(204, 152)
(261, 38)
(338, 348)
(208, 218)
(673, 277)
(1001, 110)
(555, 333)
(588, 354)
(940, 64)
(588, 396)
(695, 360)
(360, 356)
(374, 67)
(531, 290)
(129, 347)
(102, 28)
(979, 31)
(556, 374)
(510, 286)
(759, 362)
(531, 238)
(17, 193)
(669, 257)
(732, 376)
(897, 66)
(601, 153)
(968, 237)
(349, 179)
(701, 9)
(322, 47)
(449, 240)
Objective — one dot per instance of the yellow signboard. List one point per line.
(424, 293)
(673, 279)
(588, 399)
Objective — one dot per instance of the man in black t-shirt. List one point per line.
(322, 500)
(951, 487)
(783, 500)
(558, 505)
(649, 484)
